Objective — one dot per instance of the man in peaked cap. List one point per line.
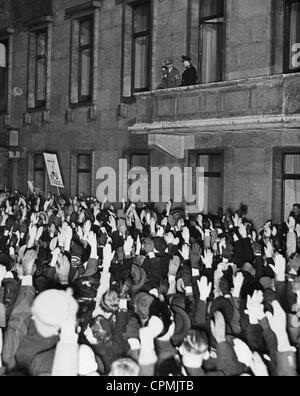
(189, 76)
(173, 76)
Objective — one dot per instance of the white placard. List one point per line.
(53, 170)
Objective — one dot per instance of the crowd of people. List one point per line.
(171, 77)
(92, 289)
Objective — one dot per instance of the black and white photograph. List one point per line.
(150, 191)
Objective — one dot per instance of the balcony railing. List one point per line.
(266, 100)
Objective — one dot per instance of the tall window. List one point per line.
(291, 182)
(82, 63)
(85, 60)
(292, 36)
(141, 47)
(38, 63)
(39, 172)
(3, 74)
(41, 68)
(84, 173)
(211, 41)
(213, 183)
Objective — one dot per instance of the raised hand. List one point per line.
(238, 282)
(269, 250)
(186, 235)
(128, 245)
(138, 246)
(207, 259)
(63, 267)
(218, 328)
(28, 262)
(185, 252)
(92, 241)
(243, 352)
(205, 288)
(277, 320)
(195, 255)
(258, 367)
(279, 268)
(108, 256)
(255, 308)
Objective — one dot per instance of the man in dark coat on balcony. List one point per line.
(189, 76)
(173, 76)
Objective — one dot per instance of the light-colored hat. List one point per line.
(54, 307)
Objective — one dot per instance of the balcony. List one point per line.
(268, 102)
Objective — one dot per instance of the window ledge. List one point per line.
(83, 105)
(39, 21)
(36, 110)
(44, 113)
(86, 7)
(128, 99)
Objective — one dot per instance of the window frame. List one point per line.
(203, 21)
(88, 10)
(287, 176)
(35, 27)
(40, 104)
(278, 192)
(287, 37)
(193, 162)
(5, 40)
(84, 171)
(37, 169)
(83, 99)
(146, 33)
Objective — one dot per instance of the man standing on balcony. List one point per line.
(173, 76)
(189, 76)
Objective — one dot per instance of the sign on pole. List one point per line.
(53, 170)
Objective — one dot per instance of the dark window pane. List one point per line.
(41, 44)
(86, 62)
(211, 163)
(291, 195)
(292, 164)
(3, 74)
(139, 160)
(39, 162)
(294, 61)
(212, 195)
(3, 87)
(141, 62)
(211, 59)
(84, 183)
(3, 54)
(39, 180)
(86, 33)
(84, 162)
(213, 169)
(41, 80)
(142, 18)
(211, 7)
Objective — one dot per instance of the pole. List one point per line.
(58, 192)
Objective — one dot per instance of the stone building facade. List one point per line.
(80, 79)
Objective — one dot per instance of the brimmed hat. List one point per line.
(160, 244)
(182, 324)
(53, 307)
(186, 58)
(224, 306)
(169, 61)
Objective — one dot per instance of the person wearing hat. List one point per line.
(189, 76)
(173, 76)
(164, 73)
